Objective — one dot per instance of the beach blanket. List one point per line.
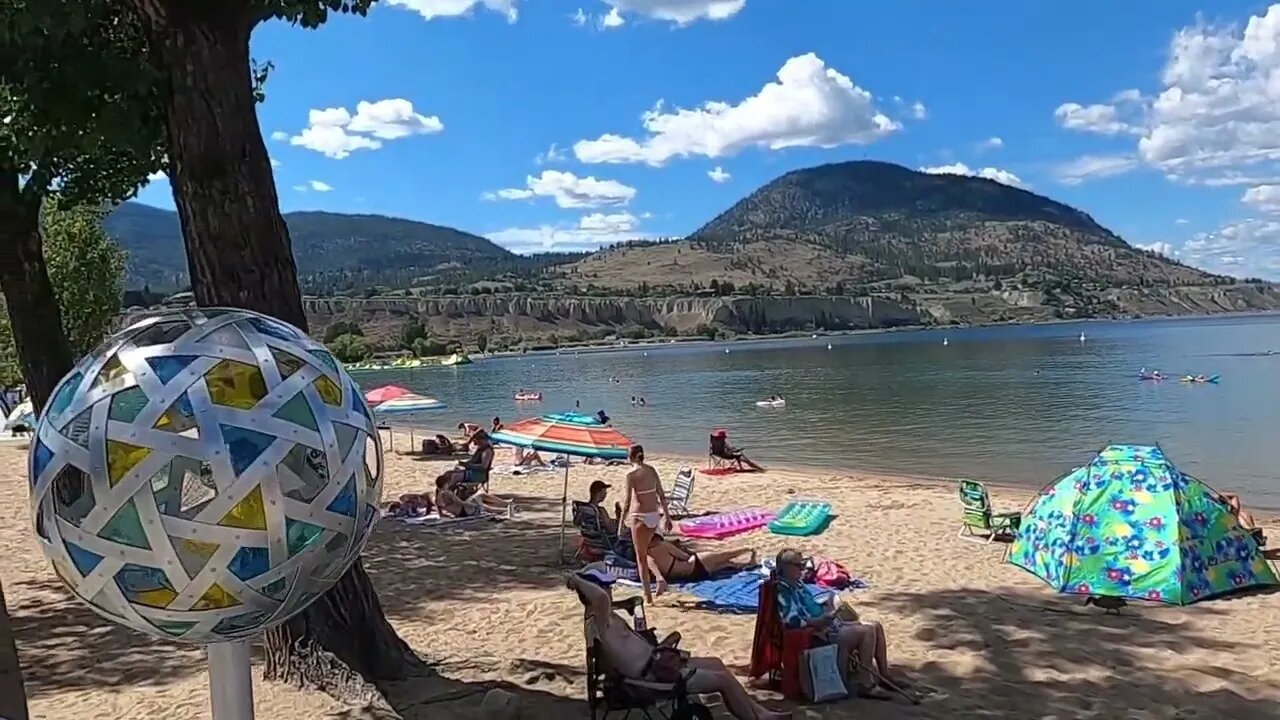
(732, 592)
(435, 519)
(529, 469)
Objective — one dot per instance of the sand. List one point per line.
(484, 604)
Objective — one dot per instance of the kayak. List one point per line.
(528, 396)
(771, 403)
(1210, 379)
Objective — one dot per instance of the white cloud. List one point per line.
(1083, 168)
(337, 133)
(275, 163)
(279, 135)
(613, 19)
(553, 154)
(991, 143)
(590, 233)
(316, 185)
(919, 111)
(579, 18)
(718, 174)
(1247, 248)
(1181, 221)
(569, 190)
(1216, 117)
(810, 105)
(1001, 176)
(157, 176)
(679, 12)
(1263, 197)
(431, 9)
(1160, 248)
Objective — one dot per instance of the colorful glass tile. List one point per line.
(193, 554)
(329, 392)
(125, 527)
(145, 585)
(66, 394)
(168, 367)
(248, 514)
(249, 562)
(235, 384)
(300, 535)
(286, 363)
(121, 458)
(216, 597)
(179, 418)
(244, 446)
(344, 503)
(298, 411)
(41, 456)
(112, 370)
(125, 406)
(84, 560)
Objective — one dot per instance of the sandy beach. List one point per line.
(484, 604)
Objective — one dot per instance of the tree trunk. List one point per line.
(13, 698)
(236, 239)
(239, 255)
(34, 315)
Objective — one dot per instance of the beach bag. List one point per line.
(831, 574)
(822, 669)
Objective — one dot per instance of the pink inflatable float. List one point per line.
(723, 525)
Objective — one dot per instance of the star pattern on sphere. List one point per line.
(205, 474)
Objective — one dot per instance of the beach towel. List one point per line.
(731, 592)
(528, 470)
(436, 519)
(722, 471)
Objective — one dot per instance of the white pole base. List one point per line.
(231, 681)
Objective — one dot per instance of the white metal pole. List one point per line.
(564, 503)
(231, 681)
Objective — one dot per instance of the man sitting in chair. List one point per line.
(721, 449)
(639, 659)
(865, 639)
(474, 471)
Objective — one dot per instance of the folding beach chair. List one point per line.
(596, 543)
(719, 454)
(610, 693)
(678, 501)
(976, 504)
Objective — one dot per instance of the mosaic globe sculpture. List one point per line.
(205, 474)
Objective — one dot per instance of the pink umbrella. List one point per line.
(380, 395)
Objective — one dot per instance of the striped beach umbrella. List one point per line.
(409, 403)
(385, 393)
(568, 434)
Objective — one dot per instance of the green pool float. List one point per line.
(800, 518)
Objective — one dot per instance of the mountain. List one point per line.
(864, 224)
(335, 252)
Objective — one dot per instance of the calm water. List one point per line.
(1009, 404)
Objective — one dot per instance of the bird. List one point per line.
(1111, 605)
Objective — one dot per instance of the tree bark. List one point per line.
(239, 255)
(236, 239)
(13, 697)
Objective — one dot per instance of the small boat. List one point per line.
(528, 396)
(456, 359)
(780, 402)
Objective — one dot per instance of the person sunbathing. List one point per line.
(670, 562)
(636, 658)
(448, 502)
(529, 458)
(797, 608)
(410, 505)
(721, 448)
(1249, 523)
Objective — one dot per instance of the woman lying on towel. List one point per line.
(671, 563)
(449, 504)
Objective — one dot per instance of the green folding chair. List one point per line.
(978, 517)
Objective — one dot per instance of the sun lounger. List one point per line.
(976, 503)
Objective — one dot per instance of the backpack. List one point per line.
(831, 574)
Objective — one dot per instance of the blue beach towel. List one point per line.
(732, 592)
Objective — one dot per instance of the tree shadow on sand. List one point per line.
(1014, 653)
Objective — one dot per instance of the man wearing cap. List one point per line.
(595, 495)
(633, 656)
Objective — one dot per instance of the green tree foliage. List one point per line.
(410, 332)
(349, 348)
(482, 342)
(342, 327)
(87, 271)
(428, 347)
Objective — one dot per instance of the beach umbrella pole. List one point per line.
(564, 504)
(230, 681)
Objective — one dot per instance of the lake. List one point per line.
(1014, 404)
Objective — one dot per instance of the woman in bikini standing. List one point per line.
(649, 509)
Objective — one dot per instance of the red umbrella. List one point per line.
(380, 395)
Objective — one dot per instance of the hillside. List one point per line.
(335, 252)
(864, 225)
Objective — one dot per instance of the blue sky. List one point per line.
(569, 124)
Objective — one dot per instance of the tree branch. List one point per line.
(36, 187)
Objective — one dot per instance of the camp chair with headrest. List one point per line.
(596, 543)
(477, 479)
(976, 505)
(720, 454)
(776, 650)
(678, 501)
(610, 692)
